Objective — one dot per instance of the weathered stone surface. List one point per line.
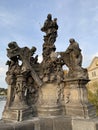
(21, 80)
(55, 123)
(46, 124)
(17, 115)
(90, 124)
(52, 123)
(78, 105)
(27, 125)
(62, 123)
(49, 103)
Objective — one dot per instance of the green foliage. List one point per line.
(93, 98)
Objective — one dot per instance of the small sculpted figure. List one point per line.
(50, 27)
(47, 25)
(72, 57)
(74, 53)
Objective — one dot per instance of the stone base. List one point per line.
(24, 125)
(55, 123)
(82, 111)
(85, 124)
(16, 115)
(52, 123)
(49, 111)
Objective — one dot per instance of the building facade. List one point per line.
(93, 75)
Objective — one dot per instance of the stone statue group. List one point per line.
(26, 80)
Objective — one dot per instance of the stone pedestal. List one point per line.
(16, 115)
(77, 104)
(51, 123)
(49, 103)
(18, 110)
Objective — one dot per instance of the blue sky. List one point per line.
(21, 20)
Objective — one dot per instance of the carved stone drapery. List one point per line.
(72, 58)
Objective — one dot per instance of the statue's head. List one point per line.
(55, 19)
(72, 40)
(12, 45)
(12, 50)
(33, 49)
(49, 16)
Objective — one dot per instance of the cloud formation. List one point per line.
(21, 21)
